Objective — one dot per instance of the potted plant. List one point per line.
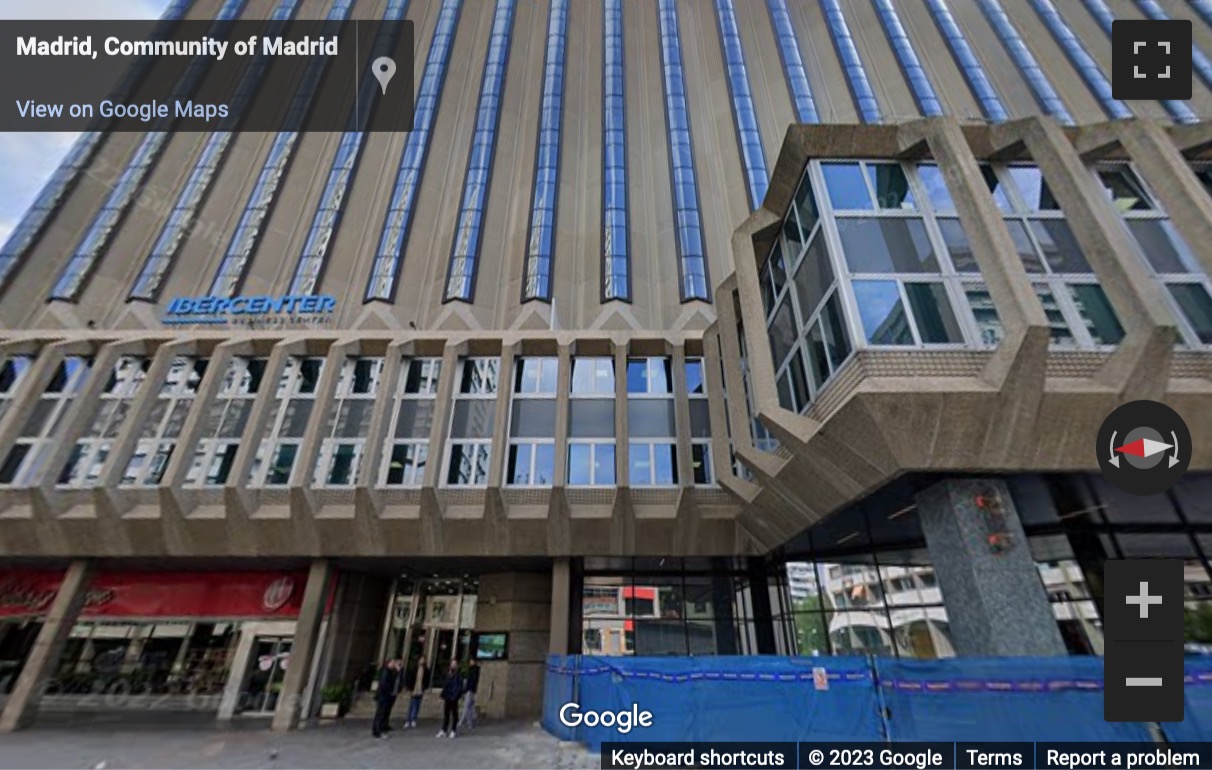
(334, 700)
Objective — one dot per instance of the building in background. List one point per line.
(673, 328)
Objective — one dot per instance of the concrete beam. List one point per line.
(22, 704)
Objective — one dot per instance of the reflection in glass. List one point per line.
(1098, 314)
(1196, 305)
(1060, 247)
(847, 188)
(988, 325)
(1163, 246)
(882, 313)
(891, 187)
(932, 310)
(887, 246)
(1033, 188)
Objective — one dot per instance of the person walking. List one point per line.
(417, 684)
(469, 689)
(451, 692)
(385, 698)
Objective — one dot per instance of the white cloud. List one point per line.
(27, 160)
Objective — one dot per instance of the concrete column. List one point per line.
(135, 424)
(303, 473)
(563, 390)
(22, 705)
(622, 434)
(681, 410)
(500, 423)
(994, 597)
(380, 418)
(518, 603)
(191, 431)
(561, 605)
(307, 640)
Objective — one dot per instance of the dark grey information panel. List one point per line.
(305, 75)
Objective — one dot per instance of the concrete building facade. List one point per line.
(654, 299)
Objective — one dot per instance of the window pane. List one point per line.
(416, 419)
(988, 325)
(579, 464)
(660, 375)
(799, 381)
(665, 468)
(592, 375)
(1124, 189)
(603, 464)
(519, 464)
(836, 336)
(700, 455)
(284, 460)
(640, 462)
(1033, 189)
(1060, 248)
(1061, 334)
(882, 312)
(533, 418)
(998, 190)
(480, 377)
(1196, 305)
(694, 377)
(1096, 311)
(651, 418)
(591, 418)
(473, 419)
(932, 309)
(294, 423)
(468, 464)
(1163, 246)
(847, 189)
(813, 278)
(818, 362)
(637, 375)
(700, 418)
(782, 334)
(891, 187)
(936, 188)
(805, 206)
(958, 246)
(887, 246)
(342, 469)
(544, 464)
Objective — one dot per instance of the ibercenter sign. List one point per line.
(221, 310)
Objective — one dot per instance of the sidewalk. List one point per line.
(345, 744)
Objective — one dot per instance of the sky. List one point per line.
(28, 159)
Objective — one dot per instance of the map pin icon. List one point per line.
(384, 69)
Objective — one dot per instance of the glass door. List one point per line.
(267, 670)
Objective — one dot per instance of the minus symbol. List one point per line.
(1143, 681)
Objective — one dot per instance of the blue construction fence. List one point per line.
(768, 698)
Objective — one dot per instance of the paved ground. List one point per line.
(100, 744)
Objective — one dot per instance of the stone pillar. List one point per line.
(307, 639)
(518, 603)
(995, 599)
(22, 705)
(561, 605)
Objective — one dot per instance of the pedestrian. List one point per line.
(385, 698)
(469, 689)
(451, 692)
(418, 683)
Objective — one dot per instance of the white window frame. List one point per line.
(271, 442)
(44, 442)
(91, 451)
(650, 445)
(414, 476)
(481, 447)
(154, 449)
(704, 443)
(1189, 338)
(211, 449)
(545, 364)
(593, 444)
(331, 444)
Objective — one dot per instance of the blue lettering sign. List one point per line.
(215, 310)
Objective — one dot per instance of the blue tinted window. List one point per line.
(856, 76)
(743, 113)
(385, 272)
(185, 210)
(616, 263)
(689, 234)
(536, 278)
(327, 218)
(106, 221)
(1081, 59)
(251, 225)
(460, 281)
(1105, 18)
(919, 83)
(793, 63)
(1044, 93)
(974, 73)
(846, 186)
(883, 313)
